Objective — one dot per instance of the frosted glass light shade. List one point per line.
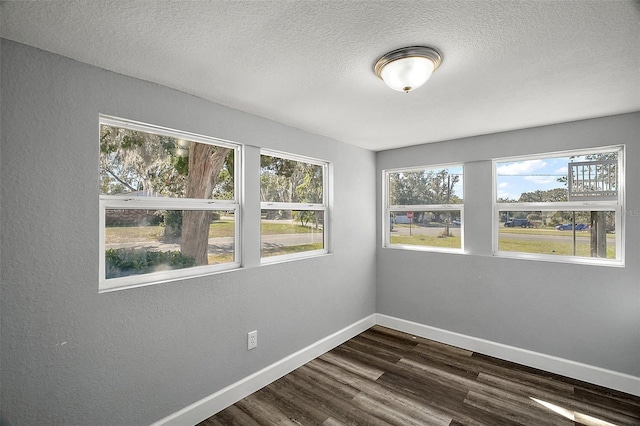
(407, 74)
(408, 68)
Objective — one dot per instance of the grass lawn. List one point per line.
(542, 247)
(280, 250)
(215, 259)
(217, 229)
(562, 247)
(426, 240)
(272, 228)
(127, 234)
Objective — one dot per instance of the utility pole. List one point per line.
(448, 201)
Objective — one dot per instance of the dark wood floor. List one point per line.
(385, 377)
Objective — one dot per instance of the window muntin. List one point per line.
(168, 203)
(572, 203)
(294, 206)
(424, 208)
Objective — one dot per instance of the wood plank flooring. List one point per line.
(385, 377)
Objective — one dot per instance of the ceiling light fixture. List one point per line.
(408, 68)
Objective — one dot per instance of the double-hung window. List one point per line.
(565, 206)
(423, 208)
(169, 204)
(294, 206)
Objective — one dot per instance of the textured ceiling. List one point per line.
(506, 64)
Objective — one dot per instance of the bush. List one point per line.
(172, 221)
(124, 262)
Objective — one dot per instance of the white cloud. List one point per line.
(506, 195)
(542, 180)
(521, 167)
(503, 185)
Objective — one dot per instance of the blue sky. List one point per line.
(516, 177)
(457, 188)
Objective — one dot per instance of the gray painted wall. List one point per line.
(73, 356)
(0, 233)
(589, 314)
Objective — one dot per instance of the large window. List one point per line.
(169, 204)
(564, 206)
(423, 208)
(294, 203)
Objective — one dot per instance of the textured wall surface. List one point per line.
(73, 356)
(0, 232)
(589, 314)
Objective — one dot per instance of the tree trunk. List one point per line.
(602, 234)
(598, 234)
(205, 163)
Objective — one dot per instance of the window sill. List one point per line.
(135, 281)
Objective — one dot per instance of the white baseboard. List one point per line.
(206, 407)
(576, 370)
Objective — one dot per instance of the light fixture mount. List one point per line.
(407, 68)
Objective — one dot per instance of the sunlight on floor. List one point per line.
(583, 419)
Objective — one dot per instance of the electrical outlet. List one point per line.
(252, 339)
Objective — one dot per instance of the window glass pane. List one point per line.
(141, 241)
(594, 176)
(562, 233)
(427, 186)
(290, 181)
(426, 228)
(291, 231)
(138, 163)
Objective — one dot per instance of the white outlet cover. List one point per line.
(252, 339)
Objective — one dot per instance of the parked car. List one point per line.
(513, 223)
(565, 227)
(582, 227)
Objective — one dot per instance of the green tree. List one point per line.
(423, 187)
(290, 181)
(538, 196)
(155, 165)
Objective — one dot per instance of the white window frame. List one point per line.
(324, 207)
(616, 205)
(153, 203)
(388, 208)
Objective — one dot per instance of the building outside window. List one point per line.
(169, 204)
(294, 206)
(562, 206)
(424, 208)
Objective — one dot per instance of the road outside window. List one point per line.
(424, 208)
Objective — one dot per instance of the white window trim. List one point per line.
(388, 208)
(617, 206)
(324, 206)
(151, 203)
